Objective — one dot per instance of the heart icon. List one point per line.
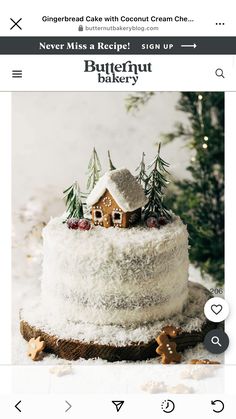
(216, 308)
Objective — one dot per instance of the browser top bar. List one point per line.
(183, 18)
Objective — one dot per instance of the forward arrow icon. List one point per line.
(118, 404)
(69, 406)
(189, 46)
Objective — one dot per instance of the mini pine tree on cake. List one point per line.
(94, 168)
(142, 175)
(73, 202)
(156, 184)
(111, 165)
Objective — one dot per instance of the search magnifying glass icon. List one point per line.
(215, 340)
(219, 73)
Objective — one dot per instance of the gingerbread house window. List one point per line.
(97, 215)
(117, 217)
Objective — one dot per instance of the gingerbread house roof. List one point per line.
(123, 187)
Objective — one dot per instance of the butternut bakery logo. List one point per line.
(127, 72)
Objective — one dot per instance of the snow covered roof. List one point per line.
(124, 188)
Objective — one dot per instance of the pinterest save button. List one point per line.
(216, 309)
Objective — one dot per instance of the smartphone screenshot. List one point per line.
(118, 207)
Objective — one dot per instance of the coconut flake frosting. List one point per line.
(115, 276)
(192, 318)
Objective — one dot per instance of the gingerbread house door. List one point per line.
(107, 220)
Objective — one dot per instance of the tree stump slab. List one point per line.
(72, 349)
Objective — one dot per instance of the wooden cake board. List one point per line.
(72, 349)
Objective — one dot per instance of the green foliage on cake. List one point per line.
(94, 170)
(155, 186)
(74, 205)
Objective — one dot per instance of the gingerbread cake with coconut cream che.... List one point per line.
(113, 280)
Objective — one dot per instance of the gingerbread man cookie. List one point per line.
(167, 348)
(36, 346)
(171, 331)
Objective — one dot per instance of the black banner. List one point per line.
(112, 45)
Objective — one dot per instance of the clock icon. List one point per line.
(168, 406)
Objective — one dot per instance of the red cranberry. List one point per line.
(162, 221)
(84, 224)
(73, 223)
(151, 222)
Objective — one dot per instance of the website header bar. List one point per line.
(84, 45)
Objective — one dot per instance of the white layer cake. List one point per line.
(115, 276)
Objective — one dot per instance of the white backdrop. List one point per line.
(54, 133)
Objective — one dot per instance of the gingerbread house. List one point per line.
(116, 200)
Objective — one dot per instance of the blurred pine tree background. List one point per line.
(199, 200)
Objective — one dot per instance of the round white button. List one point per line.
(216, 309)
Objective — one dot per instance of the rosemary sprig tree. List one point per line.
(74, 205)
(111, 165)
(142, 175)
(94, 169)
(156, 184)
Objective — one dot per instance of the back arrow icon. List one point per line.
(68, 408)
(16, 406)
(221, 407)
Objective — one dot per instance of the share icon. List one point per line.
(118, 404)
